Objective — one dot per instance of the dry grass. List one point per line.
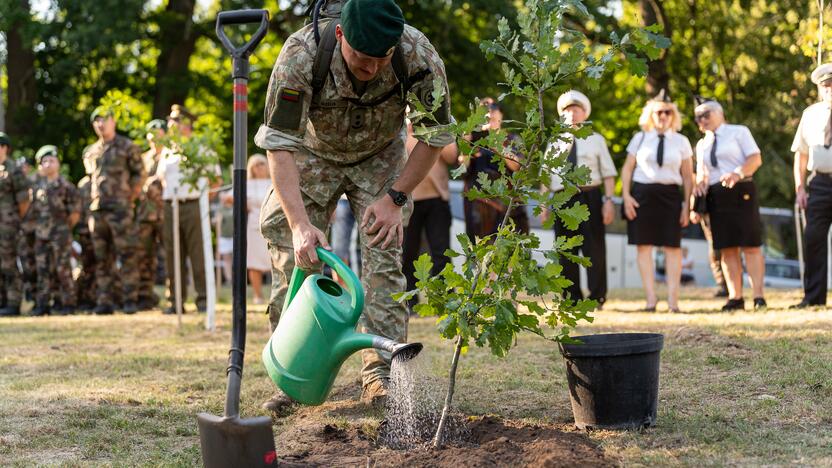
(736, 389)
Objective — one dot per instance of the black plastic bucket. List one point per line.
(614, 379)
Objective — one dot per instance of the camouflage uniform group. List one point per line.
(110, 223)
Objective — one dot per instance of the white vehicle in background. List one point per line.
(782, 270)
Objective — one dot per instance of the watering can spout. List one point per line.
(357, 341)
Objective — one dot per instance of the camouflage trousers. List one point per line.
(85, 284)
(11, 285)
(54, 282)
(150, 235)
(114, 238)
(381, 269)
(26, 254)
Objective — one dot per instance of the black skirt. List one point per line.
(735, 215)
(657, 217)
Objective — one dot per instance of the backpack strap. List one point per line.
(323, 57)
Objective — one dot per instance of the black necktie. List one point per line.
(713, 152)
(573, 153)
(827, 133)
(660, 150)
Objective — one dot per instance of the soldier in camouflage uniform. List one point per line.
(26, 242)
(347, 137)
(56, 208)
(116, 172)
(149, 217)
(85, 284)
(14, 201)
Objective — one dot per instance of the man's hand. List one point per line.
(305, 238)
(802, 197)
(630, 205)
(695, 217)
(608, 212)
(700, 188)
(729, 180)
(386, 222)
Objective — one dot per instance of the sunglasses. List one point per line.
(703, 116)
(667, 112)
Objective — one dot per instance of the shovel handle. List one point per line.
(226, 18)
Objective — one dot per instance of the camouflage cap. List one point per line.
(156, 124)
(102, 112)
(44, 151)
(5, 140)
(372, 27)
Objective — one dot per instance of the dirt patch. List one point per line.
(492, 442)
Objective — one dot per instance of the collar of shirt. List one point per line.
(383, 82)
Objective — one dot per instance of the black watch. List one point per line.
(399, 198)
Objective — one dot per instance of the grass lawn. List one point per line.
(749, 388)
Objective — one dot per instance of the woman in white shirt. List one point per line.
(658, 163)
(258, 260)
(592, 153)
(726, 158)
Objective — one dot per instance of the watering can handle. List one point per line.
(344, 272)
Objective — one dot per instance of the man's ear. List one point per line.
(339, 33)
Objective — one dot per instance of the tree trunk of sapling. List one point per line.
(443, 420)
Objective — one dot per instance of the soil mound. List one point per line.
(492, 442)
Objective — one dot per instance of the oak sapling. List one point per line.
(502, 289)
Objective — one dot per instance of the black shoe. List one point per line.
(130, 308)
(148, 302)
(201, 308)
(103, 309)
(721, 293)
(734, 304)
(760, 304)
(85, 307)
(10, 311)
(65, 310)
(171, 311)
(39, 310)
(804, 304)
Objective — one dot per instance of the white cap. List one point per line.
(822, 73)
(574, 97)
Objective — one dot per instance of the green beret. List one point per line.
(44, 151)
(156, 124)
(100, 111)
(372, 27)
(5, 140)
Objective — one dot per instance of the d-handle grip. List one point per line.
(344, 272)
(348, 276)
(225, 18)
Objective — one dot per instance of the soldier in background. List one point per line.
(117, 174)
(149, 217)
(85, 283)
(26, 241)
(14, 202)
(56, 208)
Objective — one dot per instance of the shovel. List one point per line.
(228, 440)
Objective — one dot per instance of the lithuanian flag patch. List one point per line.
(289, 94)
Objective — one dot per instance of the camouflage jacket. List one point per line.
(338, 126)
(14, 189)
(114, 167)
(151, 207)
(52, 204)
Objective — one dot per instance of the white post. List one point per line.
(177, 257)
(207, 253)
(798, 230)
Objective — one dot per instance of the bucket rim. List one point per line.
(613, 344)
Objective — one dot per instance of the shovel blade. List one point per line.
(233, 442)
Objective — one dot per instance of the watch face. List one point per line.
(399, 198)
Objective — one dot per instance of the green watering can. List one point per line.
(316, 333)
